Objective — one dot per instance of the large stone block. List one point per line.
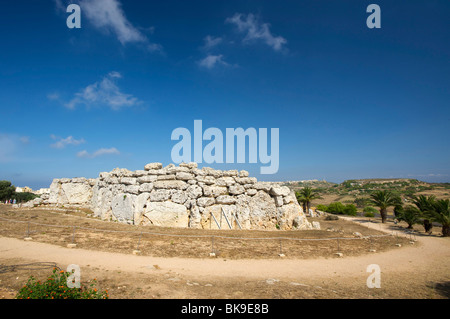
(171, 185)
(167, 214)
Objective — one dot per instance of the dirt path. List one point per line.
(421, 270)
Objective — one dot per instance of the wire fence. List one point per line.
(280, 244)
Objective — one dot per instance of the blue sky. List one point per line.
(349, 101)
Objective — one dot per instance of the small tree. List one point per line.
(398, 210)
(7, 190)
(384, 199)
(305, 196)
(424, 204)
(440, 213)
(410, 215)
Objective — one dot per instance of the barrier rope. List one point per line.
(193, 236)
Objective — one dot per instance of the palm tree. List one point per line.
(384, 199)
(410, 215)
(440, 213)
(305, 196)
(424, 204)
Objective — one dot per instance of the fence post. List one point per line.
(137, 251)
(28, 238)
(212, 253)
(339, 254)
(72, 245)
(281, 250)
(371, 245)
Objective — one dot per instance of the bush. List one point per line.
(24, 197)
(56, 288)
(331, 217)
(336, 208)
(339, 208)
(322, 208)
(369, 214)
(350, 209)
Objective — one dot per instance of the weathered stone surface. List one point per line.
(79, 180)
(245, 180)
(230, 173)
(263, 211)
(206, 201)
(190, 165)
(146, 188)
(132, 189)
(194, 191)
(262, 186)
(243, 173)
(160, 195)
(278, 201)
(157, 172)
(208, 180)
(147, 179)
(236, 189)
(139, 207)
(214, 190)
(280, 191)
(153, 166)
(122, 207)
(300, 222)
(171, 184)
(121, 172)
(225, 199)
(184, 176)
(287, 214)
(182, 196)
(140, 173)
(225, 181)
(167, 214)
(212, 172)
(179, 197)
(165, 177)
(76, 193)
(195, 217)
(128, 180)
(175, 169)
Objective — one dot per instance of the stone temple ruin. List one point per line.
(182, 196)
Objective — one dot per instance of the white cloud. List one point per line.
(105, 92)
(211, 42)
(53, 96)
(63, 142)
(255, 30)
(100, 152)
(108, 16)
(212, 60)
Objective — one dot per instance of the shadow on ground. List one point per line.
(442, 288)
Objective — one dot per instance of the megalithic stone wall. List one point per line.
(183, 196)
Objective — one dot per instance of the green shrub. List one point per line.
(55, 287)
(24, 197)
(350, 209)
(369, 214)
(336, 208)
(322, 208)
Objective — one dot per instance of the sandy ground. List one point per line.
(421, 270)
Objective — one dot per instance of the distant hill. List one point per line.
(358, 190)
